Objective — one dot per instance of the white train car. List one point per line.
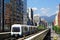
(20, 30)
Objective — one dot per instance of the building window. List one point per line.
(6, 1)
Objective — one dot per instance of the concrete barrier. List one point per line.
(5, 32)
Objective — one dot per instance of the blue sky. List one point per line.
(44, 7)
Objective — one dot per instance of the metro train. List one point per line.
(18, 30)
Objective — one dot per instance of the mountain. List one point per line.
(52, 17)
(49, 19)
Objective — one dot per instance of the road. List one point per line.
(54, 36)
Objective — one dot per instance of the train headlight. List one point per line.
(19, 33)
(11, 33)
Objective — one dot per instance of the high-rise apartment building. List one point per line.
(18, 11)
(30, 13)
(37, 19)
(30, 16)
(12, 12)
(57, 18)
(24, 11)
(7, 16)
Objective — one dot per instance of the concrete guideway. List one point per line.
(38, 36)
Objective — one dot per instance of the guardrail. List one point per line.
(5, 32)
(38, 36)
(4, 35)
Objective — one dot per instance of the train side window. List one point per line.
(26, 29)
(23, 29)
(31, 28)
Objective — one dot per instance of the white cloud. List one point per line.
(44, 10)
(57, 11)
(36, 14)
(34, 8)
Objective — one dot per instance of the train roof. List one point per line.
(23, 25)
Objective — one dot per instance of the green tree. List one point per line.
(41, 27)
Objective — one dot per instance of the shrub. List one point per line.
(57, 29)
(41, 27)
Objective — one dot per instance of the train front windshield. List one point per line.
(16, 29)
